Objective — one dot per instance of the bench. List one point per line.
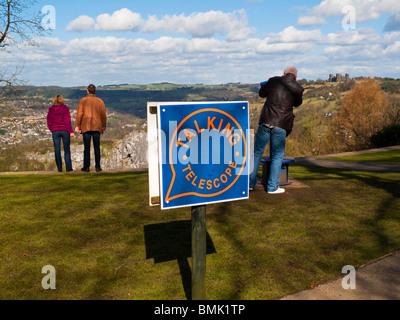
(284, 176)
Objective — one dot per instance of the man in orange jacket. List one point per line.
(91, 121)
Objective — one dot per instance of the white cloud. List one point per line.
(222, 49)
(393, 50)
(291, 34)
(364, 10)
(311, 20)
(391, 37)
(120, 20)
(233, 25)
(362, 36)
(316, 37)
(203, 24)
(120, 60)
(240, 34)
(80, 24)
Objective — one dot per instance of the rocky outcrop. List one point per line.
(128, 153)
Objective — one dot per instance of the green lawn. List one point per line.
(105, 242)
(392, 156)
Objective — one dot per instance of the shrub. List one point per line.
(388, 136)
(361, 115)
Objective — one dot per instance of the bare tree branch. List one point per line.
(17, 21)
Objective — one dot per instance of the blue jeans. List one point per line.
(57, 136)
(87, 136)
(277, 146)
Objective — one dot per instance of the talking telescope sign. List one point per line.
(198, 153)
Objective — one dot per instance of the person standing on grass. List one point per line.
(91, 121)
(59, 123)
(276, 123)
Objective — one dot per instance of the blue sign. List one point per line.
(204, 153)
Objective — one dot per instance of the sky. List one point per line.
(208, 41)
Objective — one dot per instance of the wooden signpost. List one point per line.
(199, 235)
(198, 154)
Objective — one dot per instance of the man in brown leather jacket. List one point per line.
(276, 123)
(91, 121)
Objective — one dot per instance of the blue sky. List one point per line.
(211, 42)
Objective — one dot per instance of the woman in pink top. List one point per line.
(59, 123)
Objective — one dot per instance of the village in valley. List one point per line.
(23, 118)
(24, 124)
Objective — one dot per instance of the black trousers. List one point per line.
(87, 137)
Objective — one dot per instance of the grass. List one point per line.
(392, 156)
(105, 242)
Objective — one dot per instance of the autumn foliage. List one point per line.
(362, 114)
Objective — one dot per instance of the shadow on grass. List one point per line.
(374, 180)
(172, 241)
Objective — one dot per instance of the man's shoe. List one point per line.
(99, 170)
(85, 169)
(277, 191)
(251, 189)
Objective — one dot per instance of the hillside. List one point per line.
(132, 99)
(23, 128)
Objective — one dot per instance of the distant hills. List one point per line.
(133, 99)
(23, 127)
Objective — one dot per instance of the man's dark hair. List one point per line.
(91, 88)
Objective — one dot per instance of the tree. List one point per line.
(361, 115)
(390, 133)
(18, 23)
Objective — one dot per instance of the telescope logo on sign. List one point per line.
(203, 153)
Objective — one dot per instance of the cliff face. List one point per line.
(128, 153)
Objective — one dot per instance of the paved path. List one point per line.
(352, 165)
(377, 280)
